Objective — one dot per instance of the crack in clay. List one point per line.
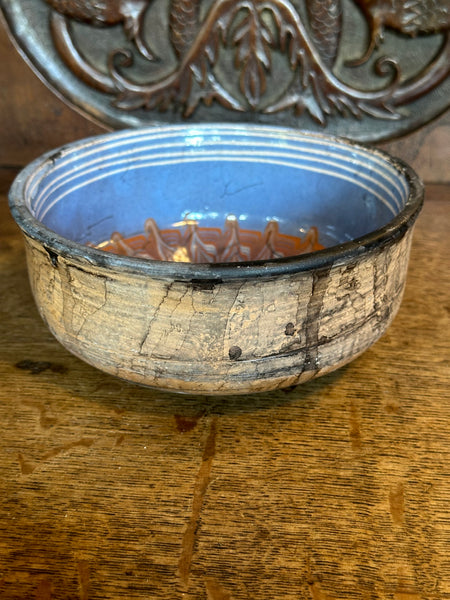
(97, 309)
(152, 320)
(229, 194)
(232, 312)
(165, 334)
(193, 313)
(315, 305)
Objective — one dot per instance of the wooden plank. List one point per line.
(427, 150)
(34, 119)
(338, 488)
(7, 174)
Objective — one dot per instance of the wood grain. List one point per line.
(34, 119)
(336, 489)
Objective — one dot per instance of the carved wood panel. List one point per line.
(367, 69)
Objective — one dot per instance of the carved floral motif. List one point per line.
(256, 32)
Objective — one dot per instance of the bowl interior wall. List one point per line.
(115, 183)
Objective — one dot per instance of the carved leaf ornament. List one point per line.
(264, 38)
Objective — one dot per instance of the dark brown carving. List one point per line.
(325, 19)
(410, 17)
(256, 32)
(130, 13)
(184, 24)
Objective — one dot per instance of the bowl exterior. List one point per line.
(220, 337)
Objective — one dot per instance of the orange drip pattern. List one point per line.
(187, 241)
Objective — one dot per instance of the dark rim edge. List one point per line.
(70, 250)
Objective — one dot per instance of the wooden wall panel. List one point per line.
(34, 119)
(427, 150)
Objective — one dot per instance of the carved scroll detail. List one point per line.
(255, 31)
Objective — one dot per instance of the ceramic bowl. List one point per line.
(217, 327)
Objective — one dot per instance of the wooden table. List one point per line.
(337, 489)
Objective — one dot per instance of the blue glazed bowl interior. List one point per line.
(90, 189)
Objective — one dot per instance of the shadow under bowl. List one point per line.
(226, 327)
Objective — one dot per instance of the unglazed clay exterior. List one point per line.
(234, 337)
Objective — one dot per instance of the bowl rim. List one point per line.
(57, 245)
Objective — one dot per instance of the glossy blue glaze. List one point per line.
(115, 182)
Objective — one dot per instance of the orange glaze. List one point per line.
(187, 241)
